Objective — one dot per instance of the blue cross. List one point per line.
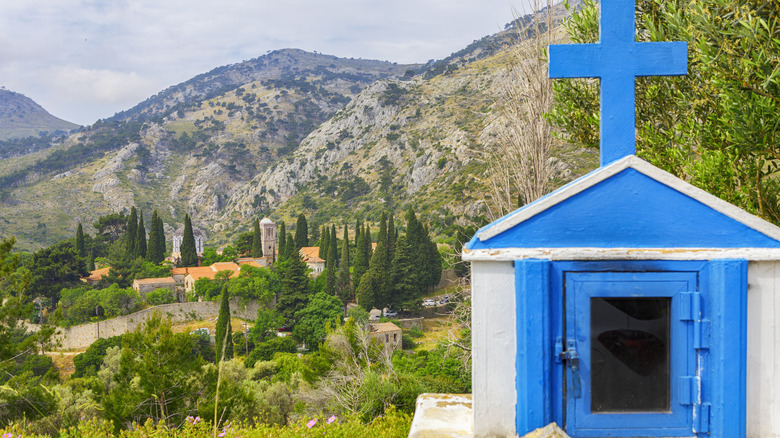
(617, 59)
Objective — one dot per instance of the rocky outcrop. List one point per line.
(108, 184)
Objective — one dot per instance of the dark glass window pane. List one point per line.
(629, 354)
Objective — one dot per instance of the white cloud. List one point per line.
(87, 59)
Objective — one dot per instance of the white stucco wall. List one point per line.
(495, 349)
(763, 350)
(494, 343)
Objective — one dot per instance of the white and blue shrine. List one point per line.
(627, 303)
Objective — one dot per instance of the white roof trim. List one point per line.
(645, 168)
(512, 254)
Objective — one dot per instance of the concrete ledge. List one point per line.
(442, 416)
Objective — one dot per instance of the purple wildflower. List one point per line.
(311, 423)
(332, 419)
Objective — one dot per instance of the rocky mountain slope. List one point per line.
(21, 117)
(282, 134)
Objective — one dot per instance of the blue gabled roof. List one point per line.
(628, 204)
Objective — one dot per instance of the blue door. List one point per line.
(627, 354)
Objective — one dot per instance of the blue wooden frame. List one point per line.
(723, 316)
(580, 288)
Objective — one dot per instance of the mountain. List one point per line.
(289, 132)
(21, 117)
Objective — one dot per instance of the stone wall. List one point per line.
(409, 323)
(448, 278)
(82, 336)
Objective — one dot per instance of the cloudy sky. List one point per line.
(84, 60)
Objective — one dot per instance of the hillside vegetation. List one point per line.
(21, 117)
(287, 133)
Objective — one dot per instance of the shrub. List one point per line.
(265, 350)
(160, 296)
(415, 332)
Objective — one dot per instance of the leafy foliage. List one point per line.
(315, 319)
(716, 127)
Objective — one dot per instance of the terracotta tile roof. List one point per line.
(179, 271)
(224, 266)
(311, 254)
(156, 280)
(97, 274)
(250, 263)
(201, 272)
(384, 327)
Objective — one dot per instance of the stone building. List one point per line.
(388, 334)
(178, 237)
(146, 285)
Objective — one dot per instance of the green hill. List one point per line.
(21, 117)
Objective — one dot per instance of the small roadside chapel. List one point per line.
(627, 303)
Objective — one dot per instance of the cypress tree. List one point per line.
(155, 249)
(289, 247)
(295, 287)
(80, 249)
(282, 242)
(407, 286)
(160, 253)
(130, 232)
(369, 247)
(91, 261)
(257, 240)
(224, 329)
(334, 243)
(189, 254)
(391, 237)
(432, 261)
(140, 237)
(301, 232)
(343, 288)
(331, 267)
(374, 286)
(361, 261)
(358, 229)
(324, 243)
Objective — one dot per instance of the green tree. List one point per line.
(140, 237)
(131, 233)
(374, 290)
(360, 265)
(343, 286)
(432, 265)
(257, 241)
(112, 227)
(189, 254)
(405, 275)
(392, 235)
(324, 243)
(155, 251)
(54, 268)
(80, 248)
(301, 232)
(223, 336)
(295, 290)
(17, 345)
(266, 323)
(462, 268)
(716, 127)
(289, 247)
(244, 243)
(316, 318)
(282, 250)
(331, 265)
(157, 377)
